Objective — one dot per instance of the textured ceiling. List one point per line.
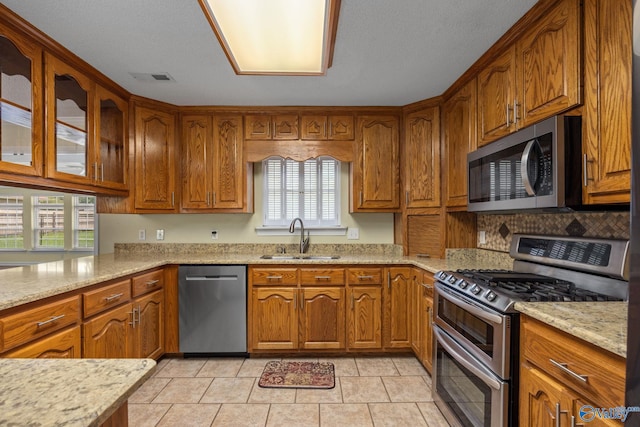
(388, 52)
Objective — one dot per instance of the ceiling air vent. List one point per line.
(153, 77)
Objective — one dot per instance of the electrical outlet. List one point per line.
(214, 234)
(142, 234)
(159, 234)
(353, 233)
(482, 237)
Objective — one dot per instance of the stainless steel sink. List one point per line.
(303, 257)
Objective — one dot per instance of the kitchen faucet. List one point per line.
(304, 243)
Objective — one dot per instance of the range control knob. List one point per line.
(475, 289)
(490, 296)
(452, 279)
(463, 284)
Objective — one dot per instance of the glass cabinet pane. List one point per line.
(71, 126)
(112, 152)
(16, 139)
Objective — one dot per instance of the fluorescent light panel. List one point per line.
(275, 36)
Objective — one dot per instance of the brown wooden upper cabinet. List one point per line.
(318, 127)
(87, 131)
(155, 183)
(21, 109)
(537, 77)
(422, 158)
(459, 138)
(214, 174)
(375, 173)
(70, 122)
(606, 113)
(265, 127)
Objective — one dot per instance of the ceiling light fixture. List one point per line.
(275, 37)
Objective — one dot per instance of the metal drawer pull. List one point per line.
(133, 318)
(428, 286)
(151, 283)
(113, 297)
(563, 368)
(365, 277)
(274, 277)
(49, 321)
(323, 277)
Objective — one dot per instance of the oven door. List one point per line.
(467, 393)
(484, 333)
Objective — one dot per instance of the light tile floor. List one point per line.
(369, 391)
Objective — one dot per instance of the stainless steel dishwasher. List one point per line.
(212, 304)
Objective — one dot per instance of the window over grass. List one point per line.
(309, 190)
(11, 229)
(48, 221)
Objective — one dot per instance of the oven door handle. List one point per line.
(466, 360)
(472, 308)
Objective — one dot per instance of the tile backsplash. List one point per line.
(499, 228)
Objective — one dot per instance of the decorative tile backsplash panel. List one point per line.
(500, 228)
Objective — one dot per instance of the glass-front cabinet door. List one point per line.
(20, 105)
(110, 164)
(69, 123)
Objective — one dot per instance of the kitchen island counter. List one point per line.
(603, 324)
(69, 392)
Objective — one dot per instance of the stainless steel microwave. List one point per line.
(537, 167)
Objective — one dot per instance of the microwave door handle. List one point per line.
(465, 361)
(524, 170)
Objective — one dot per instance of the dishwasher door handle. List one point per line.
(210, 278)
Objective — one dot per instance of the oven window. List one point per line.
(464, 393)
(474, 329)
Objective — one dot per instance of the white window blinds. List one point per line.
(309, 190)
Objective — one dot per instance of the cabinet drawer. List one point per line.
(365, 276)
(63, 344)
(106, 297)
(274, 276)
(605, 372)
(20, 328)
(321, 276)
(147, 282)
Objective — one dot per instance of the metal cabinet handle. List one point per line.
(558, 413)
(207, 199)
(139, 316)
(214, 198)
(173, 198)
(361, 199)
(95, 171)
(426, 285)
(585, 170)
(515, 112)
(274, 277)
(49, 321)
(563, 368)
(508, 110)
(133, 318)
(101, 172)
(152, 283)
(323, 277)
(388, 280)
(365, 277)
(113, 297)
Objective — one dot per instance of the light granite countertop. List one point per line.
(603, 324)
(593, 322)
(21, 285)
(67, 392)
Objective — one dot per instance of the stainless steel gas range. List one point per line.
(476, 328)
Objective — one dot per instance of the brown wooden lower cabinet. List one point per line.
(274, 319)
(364, 317)
(63, 344)
(397, 314)
(149, 333)
(560, 374)
(109, 335)
(322, 318)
